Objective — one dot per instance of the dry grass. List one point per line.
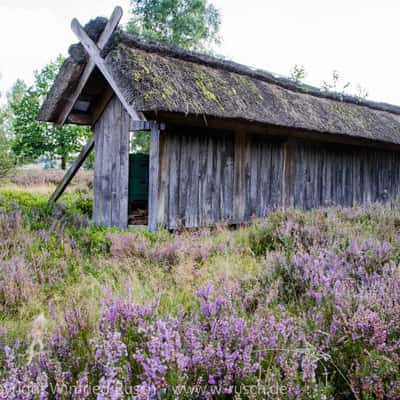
(45, 181)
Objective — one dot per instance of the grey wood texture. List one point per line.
(217, 177)
(333, 175)
(112, 166)
(154, 183)
(95, 56)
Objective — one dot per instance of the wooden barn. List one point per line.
(227, 142)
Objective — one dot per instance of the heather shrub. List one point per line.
(28, 177)
(303, 303)
(165, 249)
(16, 284)
(136, 348)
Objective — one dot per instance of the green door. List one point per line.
(138, 177)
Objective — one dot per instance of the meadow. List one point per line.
(301, 305)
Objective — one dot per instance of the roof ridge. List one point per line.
(152, 46)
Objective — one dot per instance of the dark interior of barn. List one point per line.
(138, 189)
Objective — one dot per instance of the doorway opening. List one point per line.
(138, 188)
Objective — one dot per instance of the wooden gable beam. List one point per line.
(95, 59)
(104, 37)
(95, 55)
(66, 113)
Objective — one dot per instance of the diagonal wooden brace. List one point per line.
(73, 169)
(94, 54)
(95, 59)
(104, 37)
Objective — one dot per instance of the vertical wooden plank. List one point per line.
(324, 166)
(216, 201)
(107, 164)
(154, 175)
(184, 167)
(123, 179)
(98, 157)
(191, 210)
(247, 178)
(349, 180)
(174, 181)
(228, 177)
(289, 178)
(239, 174)
(209, 187)
(203, 152)
(356, 182)
(163, 180)
(115, 161)
(266, 166)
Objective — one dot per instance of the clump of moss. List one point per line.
(206, 92)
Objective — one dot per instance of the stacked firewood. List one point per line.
(138, 217)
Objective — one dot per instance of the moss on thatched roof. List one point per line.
(156, 77)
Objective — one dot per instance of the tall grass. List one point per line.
(301, 305)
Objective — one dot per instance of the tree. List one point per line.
(140, 142)
(7, 161)
(33, 138)
(192, 24)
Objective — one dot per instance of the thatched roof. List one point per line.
(156, 77)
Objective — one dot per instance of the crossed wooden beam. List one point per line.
(95, 60)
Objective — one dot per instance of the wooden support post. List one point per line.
(154, 172)
(72, 170)
(104, 37)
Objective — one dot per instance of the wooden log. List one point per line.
(103, 39)
(79, 119)
(72, 170)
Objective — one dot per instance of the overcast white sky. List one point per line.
(359, 38)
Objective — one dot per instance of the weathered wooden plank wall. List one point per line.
(212, 177)
(202, 177)
(263, 175)
(196, 179)
(112, 166)
(329, 175)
